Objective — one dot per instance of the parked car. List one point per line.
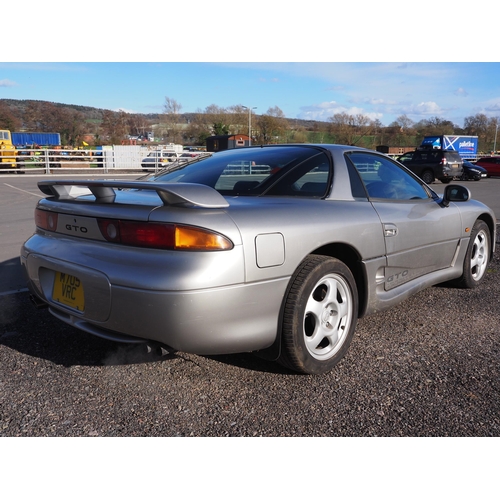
(430, 164)
(491, 164)
(209, 260)
(158, 159)
(473, 172)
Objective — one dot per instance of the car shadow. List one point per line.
(36, 333)
(251, 362)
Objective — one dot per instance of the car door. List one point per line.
(420, 235)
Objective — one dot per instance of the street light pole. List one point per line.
(249, 123)
(495, 144)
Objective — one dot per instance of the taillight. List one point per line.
(162, 236)
(196, 238)
(45, 220)
(443, 161)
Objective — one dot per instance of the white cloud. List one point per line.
(7, 83)
(492, 108)
(425, 109)
(129, 111)
(323, 111)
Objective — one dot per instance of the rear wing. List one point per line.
(179, 194)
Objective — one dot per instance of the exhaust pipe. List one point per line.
(38, 303)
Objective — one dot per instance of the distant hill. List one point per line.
(18, 107)
(91, 114)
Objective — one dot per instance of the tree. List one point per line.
(271, 126)
(198, 129)
(218, 118)
(401, 131)
(349, 129)
(476, 125)
(71, 127)
(8, 120)
(138, 124)
(237, 118)
(435, 126)
(485, 128)
(171, 120)
(114, 126)
(219, 128)
(403, 122)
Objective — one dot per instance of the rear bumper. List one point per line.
(219, 320)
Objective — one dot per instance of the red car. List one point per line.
(491, 164)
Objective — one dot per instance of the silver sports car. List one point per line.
(275, 249)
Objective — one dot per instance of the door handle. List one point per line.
(390, 230)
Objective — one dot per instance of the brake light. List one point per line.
(443, 161)
(45, 220)
(162, 236)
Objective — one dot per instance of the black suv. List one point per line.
(430, 164)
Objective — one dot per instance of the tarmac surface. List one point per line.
(428, 367)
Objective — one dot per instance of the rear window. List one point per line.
(271, 171)
(453, 156)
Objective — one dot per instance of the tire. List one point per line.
(428, 177)
(320, 315)
(477, 256)
(446, 180)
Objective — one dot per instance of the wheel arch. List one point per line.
(488, 220)
(352, 259)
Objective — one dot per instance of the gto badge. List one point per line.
(397, 276)
(76, 229)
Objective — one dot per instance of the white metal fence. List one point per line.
(48, 161)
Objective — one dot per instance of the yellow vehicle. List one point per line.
(8, 151)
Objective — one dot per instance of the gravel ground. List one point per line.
(429, 367)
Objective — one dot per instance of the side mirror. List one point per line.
(455, 193)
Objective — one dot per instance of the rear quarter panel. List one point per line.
(305, 225)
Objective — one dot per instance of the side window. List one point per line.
(406, 157)
(384, 179)
(309, 179)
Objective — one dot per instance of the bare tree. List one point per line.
(403, 122)
(434, 126)
(402, 131)
(236, 117)
(349, 129)
(114, 126)
(272, 126)
(137, 124)
(71, 127)
(171, 106)
(218, 119)
(482, 126)
(171, 121)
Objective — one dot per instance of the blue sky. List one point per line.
(301, 90)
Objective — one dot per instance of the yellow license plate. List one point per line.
(68, 290)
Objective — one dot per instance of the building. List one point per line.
(221, 142)
(396, 150)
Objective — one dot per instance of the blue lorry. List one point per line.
(33, 139)
(465, 145)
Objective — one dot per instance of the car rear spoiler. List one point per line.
(104, 191)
